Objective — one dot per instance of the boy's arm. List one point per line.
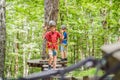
(46, 36)
(61, 35)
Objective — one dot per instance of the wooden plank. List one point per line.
(45, 69)
(58, 65)
(65, 77)
(47, 60)
(38, 61)
(43, 61)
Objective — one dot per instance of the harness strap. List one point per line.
(64, 39)
(52, 42)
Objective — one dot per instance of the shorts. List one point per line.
(52, 52)
(63, 47)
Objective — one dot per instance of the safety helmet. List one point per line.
(63, 27)
(52, 23)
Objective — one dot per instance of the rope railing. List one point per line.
(61, 72)
(88, 62)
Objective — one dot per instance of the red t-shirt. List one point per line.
(52, 39)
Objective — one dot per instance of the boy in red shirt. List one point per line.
(52, 37)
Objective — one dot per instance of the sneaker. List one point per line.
(62, 59)
(49, 67)
(65, 59)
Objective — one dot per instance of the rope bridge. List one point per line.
(111, 52)
(61, 72)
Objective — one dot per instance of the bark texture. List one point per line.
(51, 13)
(2, 37)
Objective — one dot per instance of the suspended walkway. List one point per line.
(43, 64)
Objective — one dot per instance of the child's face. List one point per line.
(63, 30)
(52, 28)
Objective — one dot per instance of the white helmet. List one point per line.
(52, 23)
(63, 27)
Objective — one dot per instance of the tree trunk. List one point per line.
(93, 38)
(104, 24)
(51, 13)
(51, 10)
(2, 37)
(16, 56)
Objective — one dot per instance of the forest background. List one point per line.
(90, 24)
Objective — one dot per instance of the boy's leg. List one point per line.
(65, 55)
(65, 52)
(62, 52)
(50, 58)
(54, 59)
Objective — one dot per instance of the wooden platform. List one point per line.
(40, 63)
(43, 64)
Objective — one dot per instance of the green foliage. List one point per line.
(24, 29)
(84, 20)
(88, 72)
